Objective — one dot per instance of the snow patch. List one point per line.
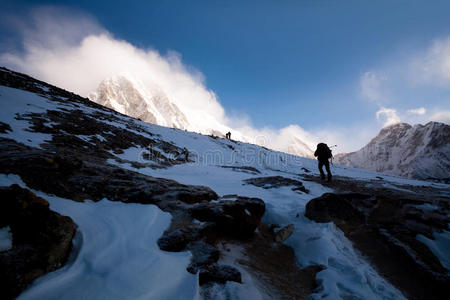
(5, 238)
(440, 247)
(14, 101)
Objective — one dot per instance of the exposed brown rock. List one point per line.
(273, 266)
(42, 239)
(384, 229)
(218, 274)
(284, 233)
(238, 218)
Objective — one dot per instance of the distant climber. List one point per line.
(323, 153)
(228, 135)
(186, 154)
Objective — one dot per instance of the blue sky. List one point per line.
(323, 65)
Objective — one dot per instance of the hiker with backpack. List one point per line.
(323, 153)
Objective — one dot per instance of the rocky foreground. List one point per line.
(381, 221)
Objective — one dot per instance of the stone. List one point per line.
(219, 274)
(177, 240)
(384, 229)
(42, 239)
(238, 218)
(284, 233)
(203, 254)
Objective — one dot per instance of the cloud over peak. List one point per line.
(72, 51)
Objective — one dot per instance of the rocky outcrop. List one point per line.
(238, 218)
(219, 274)
(384, 229)
(42, 239)
(4, 128)
(78, 176)
(227, 218)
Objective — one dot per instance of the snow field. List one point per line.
(115, 254)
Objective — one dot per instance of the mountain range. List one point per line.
(419, 151)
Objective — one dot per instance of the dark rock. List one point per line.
(219, 274)
(4, 128)
(272, 182)
(203, 255)
(177, 240)
(237, 218)
(384, 229)
(284, 233)
(77, 176)
(337, 208)
(42, 239)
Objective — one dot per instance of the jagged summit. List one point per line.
(131, 97)
(419, 151)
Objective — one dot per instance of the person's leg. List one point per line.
(327, 167)
(322, 174)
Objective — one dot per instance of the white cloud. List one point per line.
(441, 116)
(433, 66)
(417, 111)
(389, 115)
(371, 85)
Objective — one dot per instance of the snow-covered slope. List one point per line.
(151, 104)
(419, 151)
(115, 256)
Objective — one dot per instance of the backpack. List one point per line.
(323, 150)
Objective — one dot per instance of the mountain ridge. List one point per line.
(413, 151)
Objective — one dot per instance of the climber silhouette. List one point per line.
(323, 153)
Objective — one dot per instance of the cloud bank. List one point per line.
(433, 67)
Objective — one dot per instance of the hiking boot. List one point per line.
(329, 179)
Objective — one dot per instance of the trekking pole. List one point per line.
(332, 156)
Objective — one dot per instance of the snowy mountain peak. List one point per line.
(130, 96)
(419, 151)
(150, 103)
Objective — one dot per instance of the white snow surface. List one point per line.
(116, 256)
(440, 246)
(15, 101)
(5, 238)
